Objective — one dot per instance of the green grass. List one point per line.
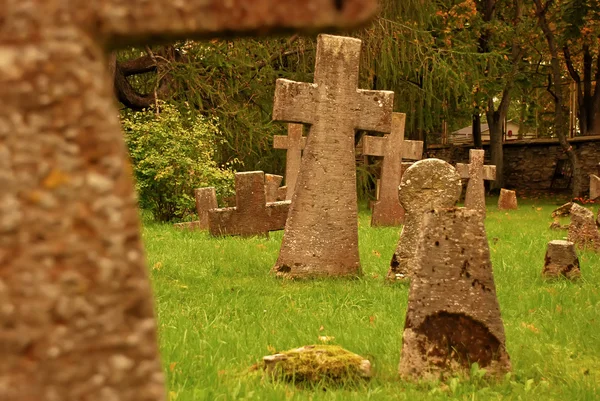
(220, 311)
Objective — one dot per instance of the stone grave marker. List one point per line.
(272, 183)
(321, 234)
(77, 319)
(295, 143)
(476, 172)
(594, 186)
(453, 318)
(583, 231)
(427, 184)
(561, 260)
(206, 199)
(251, 215)
(507, 200)
(387, 210)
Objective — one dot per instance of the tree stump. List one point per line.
(507, 200)
(561, 260)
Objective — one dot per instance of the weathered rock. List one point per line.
(295, 143)
(594, 186)
(325, 364)
(507, 200)
(582, 230)
(282, 193)
(476, 173)
(272, 183)
(561, 260)
(555, 225)
(563, 210)
(321, 234)
(453, 318)
(252, 215)
(428, 184)
(387, 210)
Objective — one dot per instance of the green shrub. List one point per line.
(173, 152)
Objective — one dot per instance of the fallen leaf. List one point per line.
(326, 339)
(157, 266)
(172, 366)
(321, 328)
(271, 349)
(376, 253)
(372, 320)
(530, 327)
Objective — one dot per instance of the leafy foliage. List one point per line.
(173, 152)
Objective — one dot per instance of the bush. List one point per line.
(173, 152)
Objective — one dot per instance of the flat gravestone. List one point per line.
(206, 199)
(294, 143)
(507, 200)
(561, 260)
(428, 184)
(476, 172)
(594, 186)
(321, 234)
(272, 185)
(583, 231)
(77, 320)
(453, 318)
(251, 214)
(387, 211)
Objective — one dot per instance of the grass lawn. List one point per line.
(220, 311)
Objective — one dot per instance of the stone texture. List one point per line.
(272, 183)
(476, 173)
(428, 184)
(321, 234)
(251, 214)
(453, 318)
(206, 199)
(563, 210)
(561, 260)
(387, 210)
(76, 316)
(594, 186)
(582, 230)
(295, 143)
(507, 200)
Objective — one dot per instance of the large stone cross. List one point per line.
(76, 316)
(321, 234)
(476, 173)
(387, 211)
(294, 142)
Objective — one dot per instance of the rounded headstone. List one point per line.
(507, 200)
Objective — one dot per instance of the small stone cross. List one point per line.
(321, 235)
(476, 173)
(294, 142)
(251, 214)
(387, 211)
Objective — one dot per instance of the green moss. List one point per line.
(324, 364)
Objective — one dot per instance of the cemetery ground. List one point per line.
(220, 312)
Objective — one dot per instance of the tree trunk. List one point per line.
(495, 119)
(477, 129)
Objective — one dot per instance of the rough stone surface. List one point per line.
(476, 173)
(387, 210)
(561, 260)
(206, 199)
(507, 200)
(251, 214)
(582, 230)
(282, 193)
(563, 210)
(594, 186)
(453, 318)
(272, 183)
(321, 234)
(295, 143)
(76, 314)
(428, 184)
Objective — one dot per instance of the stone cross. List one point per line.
(428, 184)
(387, 211)
(206, 199)
(76, 318)
(295, 143)
(321, 235)
(272, 183)
(453, 318)
(476, 173)
(251, 214)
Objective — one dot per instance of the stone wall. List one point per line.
(530, 165)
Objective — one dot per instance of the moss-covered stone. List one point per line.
(324, 364)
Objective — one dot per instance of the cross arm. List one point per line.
(489, 173)
(412, 150)
(282, 142)
(374, 145)
(375, 110)
(121, 22)
(294, 101)
(463, 170)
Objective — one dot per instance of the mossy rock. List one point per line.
(324, 364)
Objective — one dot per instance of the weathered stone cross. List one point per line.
(321, 234)
(476, 172)
(294, 142)
(77, 318)
(387, 211)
